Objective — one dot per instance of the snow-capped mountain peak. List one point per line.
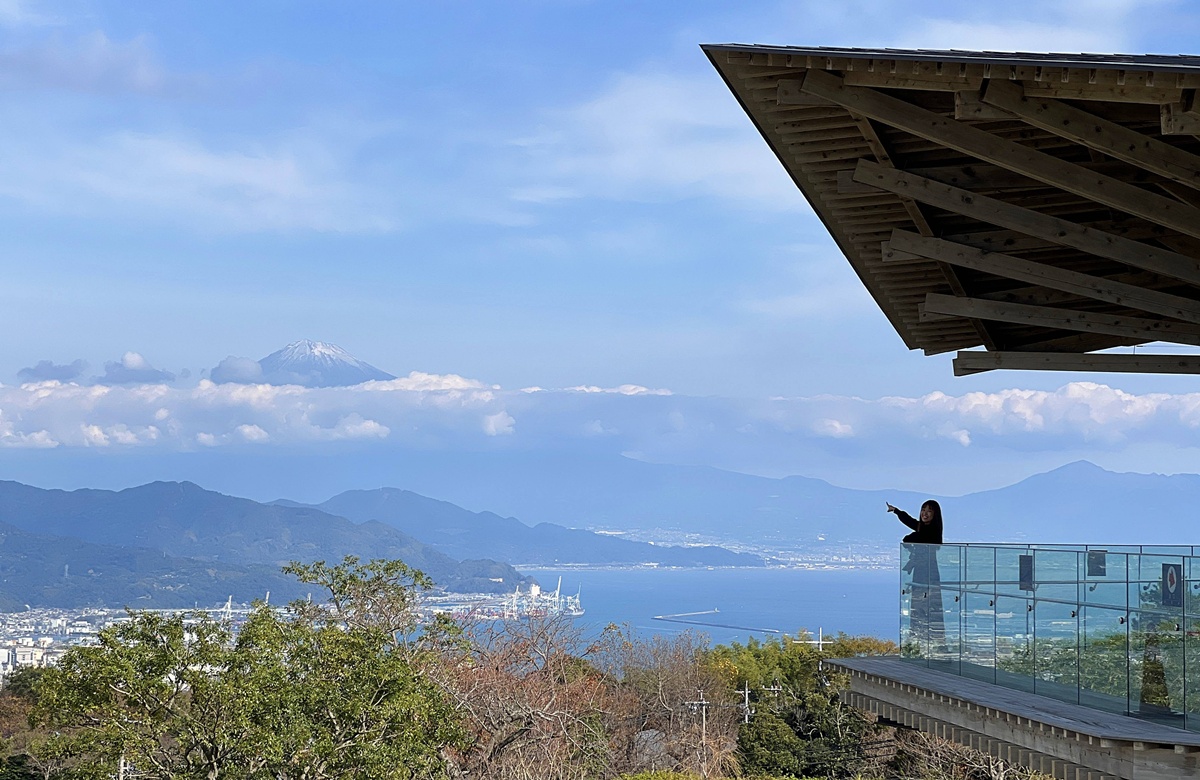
(317, 364)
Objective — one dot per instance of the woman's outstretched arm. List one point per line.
(904, 517)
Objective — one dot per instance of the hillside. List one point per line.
(48, 571)
(186, 521)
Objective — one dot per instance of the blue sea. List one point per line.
(749, 602)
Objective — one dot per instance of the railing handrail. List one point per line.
(1114, 549)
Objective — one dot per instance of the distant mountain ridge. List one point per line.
(183, 520)
(1076, 503)
(464, 534)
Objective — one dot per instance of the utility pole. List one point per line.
(746, 702)
(702, 704)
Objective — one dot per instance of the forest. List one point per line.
(358, 686)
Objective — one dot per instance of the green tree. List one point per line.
(309, 692)
(799, 727)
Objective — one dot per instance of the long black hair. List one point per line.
(936, 523)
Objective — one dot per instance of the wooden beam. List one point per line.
(884, 157)
(1095, 132)
(1042, 167)
(966, 363)
(1043, 296)
(967, 105)
(1078, 343)
(1015, 241)
(937, 305)
(982, 176)
(1095, 287)
(1180, 118)
(1029, 222)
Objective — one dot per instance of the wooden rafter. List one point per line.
(975, 362)
(1030, 222)
(894, 112)
(983, 176)
(884, 157)
(1063, 319)
(1107, 137)
(1095, 287)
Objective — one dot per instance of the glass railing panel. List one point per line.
(1116, 628)
(1056, 649)
(1106, 573)
(979, 636)
(980, 569)
(1191, 642)
(945, 654)
(950, 559)
(1191, 593)
(1191, 660)
(1172, 550)
(910, 649)
(1111, 595)
(1104, 658)
(1014, 643)
(1160, 583)
(1156, 667)
(1014, 571)
(922, 567)
(1055, 575)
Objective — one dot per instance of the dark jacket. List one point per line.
(923, 533)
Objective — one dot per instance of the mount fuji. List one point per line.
(317, 364)
(306, 363)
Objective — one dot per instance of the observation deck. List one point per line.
(1078, 661)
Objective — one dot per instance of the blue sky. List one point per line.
(549, 194)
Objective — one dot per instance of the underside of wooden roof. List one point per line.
(1042, 207)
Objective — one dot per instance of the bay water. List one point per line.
(748, 601)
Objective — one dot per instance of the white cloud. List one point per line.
(598, 428)
(960, 436)
(819, 435)
(418, 381)
(619, 390)
(833, 428)
(498, 424)
(93, 436)
(132, 368)
(12, 438)
(237, 369)
(301, 183)
(353, 426)
(252, 433)
(213, 415)
(654, 135)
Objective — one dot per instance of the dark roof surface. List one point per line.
(1163, 62)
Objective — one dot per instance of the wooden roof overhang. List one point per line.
(1041, 206)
